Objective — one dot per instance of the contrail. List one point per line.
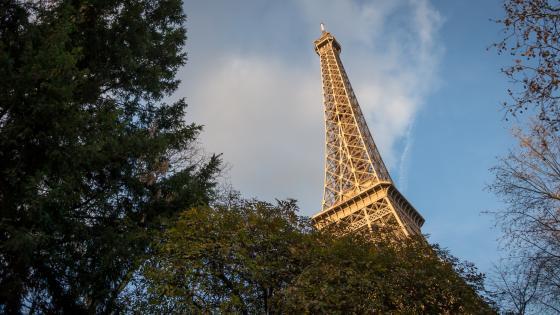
(403, 163)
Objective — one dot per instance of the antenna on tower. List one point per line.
(322, 27)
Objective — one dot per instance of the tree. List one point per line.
(353, 274)
(233, 258)
(531, 36)
(517, 287)
(528, 180)
(92, 161)
(253, 257)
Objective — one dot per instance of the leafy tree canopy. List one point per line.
(253, 257)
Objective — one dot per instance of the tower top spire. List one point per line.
(326, 39)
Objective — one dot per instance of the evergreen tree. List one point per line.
(93, 162)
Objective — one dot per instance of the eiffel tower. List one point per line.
(359, 191)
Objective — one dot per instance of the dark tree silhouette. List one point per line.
(92, 161)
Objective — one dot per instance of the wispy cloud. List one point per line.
(261, 100)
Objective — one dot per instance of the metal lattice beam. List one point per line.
(358, 190)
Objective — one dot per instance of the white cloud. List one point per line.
(260, 114)
(263, 109)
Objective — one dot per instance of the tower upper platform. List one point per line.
(327, 39)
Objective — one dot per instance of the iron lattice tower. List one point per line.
(359, 191)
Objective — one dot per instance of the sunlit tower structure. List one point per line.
(359, 191)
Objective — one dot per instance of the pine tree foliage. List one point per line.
(93, 161)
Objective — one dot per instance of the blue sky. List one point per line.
(421, 71)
